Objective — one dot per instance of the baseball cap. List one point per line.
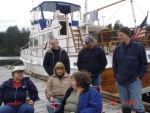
(18, 68)
(88, 39)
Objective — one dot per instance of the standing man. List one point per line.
(53, 55)
(92, 59)
(129, 66)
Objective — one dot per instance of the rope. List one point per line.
(115, 13)
(16, 62)
(139, 8)
(11, 66)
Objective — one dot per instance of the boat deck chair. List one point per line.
(98, 88)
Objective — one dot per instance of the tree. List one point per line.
(24, 37)
(109, 26)
(12, 39)
(117, 25)
(1, 38)
(148, 28)
(17, 50)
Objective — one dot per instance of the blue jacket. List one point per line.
(8, 93)
(129, 62)
(90, 101)
(93, 60)
(48, 61)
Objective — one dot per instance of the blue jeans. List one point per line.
(96, 80)
(131, 95)
(23, 108)
(49, 109)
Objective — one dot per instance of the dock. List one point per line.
(40, 106)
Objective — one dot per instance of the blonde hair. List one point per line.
(59, 65)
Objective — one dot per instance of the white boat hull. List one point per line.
(35, 64)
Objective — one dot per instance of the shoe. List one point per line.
(127, 110)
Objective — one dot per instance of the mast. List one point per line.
(32, 3)
(133, 12)
(86, 18)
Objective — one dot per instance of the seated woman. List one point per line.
(57, 85)
(15, 92)
(81, 97)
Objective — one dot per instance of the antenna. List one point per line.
(103, 19)
(32, 3)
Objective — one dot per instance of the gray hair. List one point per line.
(54, 39)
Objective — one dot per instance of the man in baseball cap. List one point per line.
(88, 39)
(89, 42)
(92, 59)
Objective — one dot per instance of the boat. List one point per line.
(58, 19)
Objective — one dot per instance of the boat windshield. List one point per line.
(50, 7)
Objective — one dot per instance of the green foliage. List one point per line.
(148, 28)
(1, 37)
(17, 50)
(3, 52)
(12, 39)
(117, 25)
(109, 26)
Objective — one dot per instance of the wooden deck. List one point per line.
(40, 106)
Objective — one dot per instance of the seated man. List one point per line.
(18, 93)
(56, 88)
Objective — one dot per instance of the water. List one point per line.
(13, 61)
(10, 58)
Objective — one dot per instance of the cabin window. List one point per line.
(63, 30)
(42, 39)
(31, 42)
(36, 41)
(49, 36)
(38, 14)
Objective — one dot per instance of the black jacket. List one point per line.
(93, 60)
(48, 61)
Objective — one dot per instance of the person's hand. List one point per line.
(51, 99)
(30, 102)
(137, 78)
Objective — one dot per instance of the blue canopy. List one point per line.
(63, 7)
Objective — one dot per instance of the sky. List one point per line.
(17, 12)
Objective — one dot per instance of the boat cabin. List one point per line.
(52, 19)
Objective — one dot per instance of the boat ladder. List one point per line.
(77, 38)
